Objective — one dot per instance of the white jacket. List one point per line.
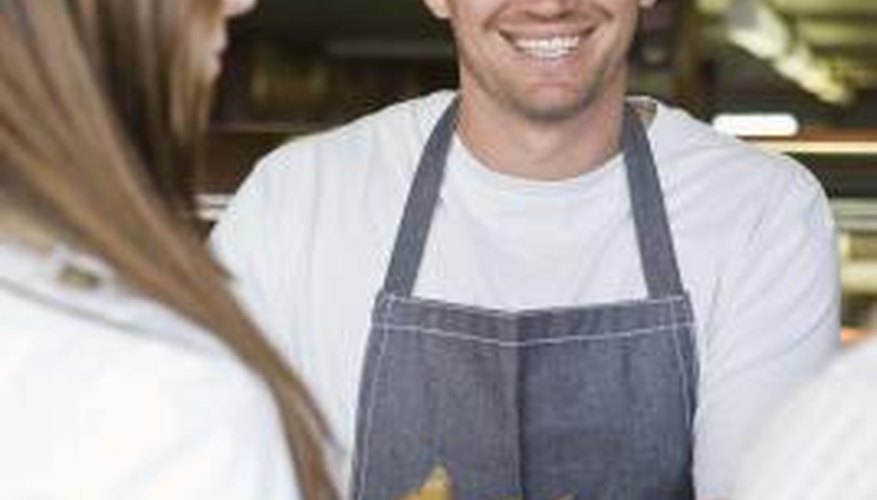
(822, 443)
(107, 395)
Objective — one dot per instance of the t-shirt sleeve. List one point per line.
(260, 239)
(775, 321)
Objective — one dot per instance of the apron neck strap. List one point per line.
(653, 235)
(653, 232)
(422, 199)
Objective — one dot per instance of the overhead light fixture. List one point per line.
(763, 32)
(758, 29)
(813, 74)
(757, 124)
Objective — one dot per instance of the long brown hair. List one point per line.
(102, 108)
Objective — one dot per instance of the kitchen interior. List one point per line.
(794, 76)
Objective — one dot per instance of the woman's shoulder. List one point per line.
(822, 438)
(104, 395)
(65, 333)
(54, 309)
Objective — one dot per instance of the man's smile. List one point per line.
(547, 46)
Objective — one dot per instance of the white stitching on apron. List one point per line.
(523, 313)
(436, 332)
(680, 367)
(366, 428)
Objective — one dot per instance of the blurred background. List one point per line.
(796, 76)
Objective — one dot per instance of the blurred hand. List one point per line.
(436, 487)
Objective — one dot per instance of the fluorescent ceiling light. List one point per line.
(757, 124)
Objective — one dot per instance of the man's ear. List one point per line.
(440, 8)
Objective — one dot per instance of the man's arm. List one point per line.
(775, 323)
(263, 234)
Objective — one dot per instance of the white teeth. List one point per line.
(547, 48)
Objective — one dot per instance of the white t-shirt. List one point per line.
(822, 444)
(107, 395)
(310, 233)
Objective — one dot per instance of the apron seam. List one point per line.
(524, 313)
(372, 402)
(681, 368)
(456, 335)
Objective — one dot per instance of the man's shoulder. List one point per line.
(393, 133)
(688, 148)
(368, 162)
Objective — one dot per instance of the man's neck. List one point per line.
(508, 143)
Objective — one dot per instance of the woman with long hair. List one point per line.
(127, 370)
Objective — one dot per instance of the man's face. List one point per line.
(543, 59)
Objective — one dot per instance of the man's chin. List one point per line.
(551, 109)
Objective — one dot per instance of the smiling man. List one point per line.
(543, 286)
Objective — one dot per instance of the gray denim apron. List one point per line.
(594, 402)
